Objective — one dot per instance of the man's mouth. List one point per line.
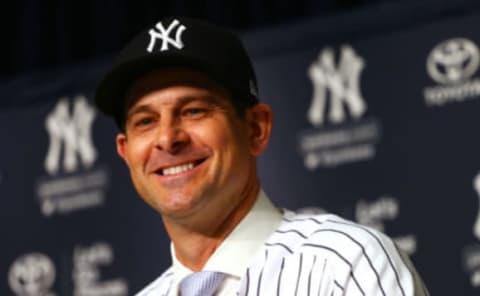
(179, 168)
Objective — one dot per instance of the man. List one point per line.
(184, 96)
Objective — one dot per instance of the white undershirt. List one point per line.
(236, 252)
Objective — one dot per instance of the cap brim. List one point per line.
(111, 90)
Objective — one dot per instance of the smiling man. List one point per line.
(191, 156)
(184, 95)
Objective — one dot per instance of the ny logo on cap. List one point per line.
(164, 35)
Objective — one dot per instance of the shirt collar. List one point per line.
(237, 250)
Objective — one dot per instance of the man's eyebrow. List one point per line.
(138, 109)
(211, 99)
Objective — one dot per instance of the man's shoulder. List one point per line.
(342, 251)
(327, 233)
(160, 285)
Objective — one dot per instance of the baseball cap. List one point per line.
(184, 42)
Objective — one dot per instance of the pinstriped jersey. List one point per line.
(321, 255)
(326, 255)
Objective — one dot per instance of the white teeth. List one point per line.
(178, 169)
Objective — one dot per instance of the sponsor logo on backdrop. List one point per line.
(340, 132)
(452, 64)
(471, 253)
(32, 274)
(160, 33)
(88, 262)
(74, 181)
(377, 213)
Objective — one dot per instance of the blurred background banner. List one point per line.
(376, 110)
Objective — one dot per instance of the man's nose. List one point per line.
(172, 137)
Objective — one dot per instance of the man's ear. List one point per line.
(260, 121)
(121, 141)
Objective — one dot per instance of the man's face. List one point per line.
(186, 147)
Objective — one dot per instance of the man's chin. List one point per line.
(180, 206)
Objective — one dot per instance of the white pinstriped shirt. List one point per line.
(286, 254)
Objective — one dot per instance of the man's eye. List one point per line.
(194, 112)
(144, 121)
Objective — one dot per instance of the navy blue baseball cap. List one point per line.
(183, 42)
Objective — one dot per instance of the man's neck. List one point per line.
(194, 244)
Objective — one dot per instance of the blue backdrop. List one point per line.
(375, 117)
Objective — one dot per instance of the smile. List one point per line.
(179, 168)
